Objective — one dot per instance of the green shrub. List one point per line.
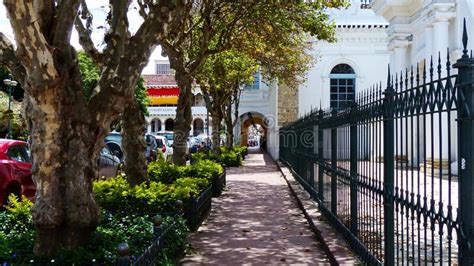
(203, 169)
(226, 157)
(175, 239)
(117, 195)
(230, 158)
(242, 150)
(17, 237)
(16, 231)
(164, 172)
(199, 156)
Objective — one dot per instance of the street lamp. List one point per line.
(10, 85)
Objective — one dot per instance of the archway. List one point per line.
(198, 126)
(253, 130)
(155, 125)
(169, 124)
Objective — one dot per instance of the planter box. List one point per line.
(198, 209)
(218, 184)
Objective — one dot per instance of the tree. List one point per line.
(215, 26)
(131, 122)
(219, 78)
(278, 41)
(133, 130)
(66, 128)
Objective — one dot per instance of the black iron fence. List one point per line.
(395, 172)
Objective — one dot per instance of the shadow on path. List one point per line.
(255, 221)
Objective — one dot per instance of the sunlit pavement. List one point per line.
(256, 221)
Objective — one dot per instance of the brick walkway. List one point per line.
(256, 221)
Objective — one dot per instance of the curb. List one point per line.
(337, 250)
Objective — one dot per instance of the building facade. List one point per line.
(350, 65)
(420, 29)
(163, 92)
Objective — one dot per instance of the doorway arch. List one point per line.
(198, 126)
(169, 124)
(253, 123)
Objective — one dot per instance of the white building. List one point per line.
(357, 61)
(163, 91)
(419, 29)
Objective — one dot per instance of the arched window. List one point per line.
(198, 126)
(155, 125)
(169, 124)
(342, 86)
(199, 100)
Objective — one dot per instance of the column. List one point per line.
(440, 38)
(429, 40)
(439, 43)
(398, 56)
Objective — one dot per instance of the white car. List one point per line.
(166, 148)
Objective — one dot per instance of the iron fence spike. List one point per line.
(465, 40)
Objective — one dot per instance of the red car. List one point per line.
(15, 170)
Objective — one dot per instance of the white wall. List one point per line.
(365, 50)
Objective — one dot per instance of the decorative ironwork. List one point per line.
(394, 172)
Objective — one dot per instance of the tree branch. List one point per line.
(33, 48)
(9, 59)
(118, 33)
(85, 35)
(64, 22)
(117, 84)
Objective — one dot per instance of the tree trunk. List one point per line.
(134, 146)
(216, 128)
(65, 148)
(184, 117)
(229, 126)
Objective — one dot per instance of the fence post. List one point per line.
(353, 168)
(388, 162)
(320, 157)
(465, 97)
(333, 163)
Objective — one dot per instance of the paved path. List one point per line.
(256, 221)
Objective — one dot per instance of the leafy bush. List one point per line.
(226, 157)
(203, 169)
(117, 195)
(16, 230)
(230, 158)
(17, 237)
(242, 150)
(164, 172)
(175, 240)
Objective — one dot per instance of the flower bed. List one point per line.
(126, 217)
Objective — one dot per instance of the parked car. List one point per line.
(108, 163)
(194, 144)
(169, 135)
(15, 170)
(151, 147)
(113, 140)
(166, 148)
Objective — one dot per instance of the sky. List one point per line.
(99, 9)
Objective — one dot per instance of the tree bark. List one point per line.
(65, 148)
(216, 128)
(229, 125)
(134, 146)
(184, 117)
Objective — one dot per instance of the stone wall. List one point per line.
(287, 104)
